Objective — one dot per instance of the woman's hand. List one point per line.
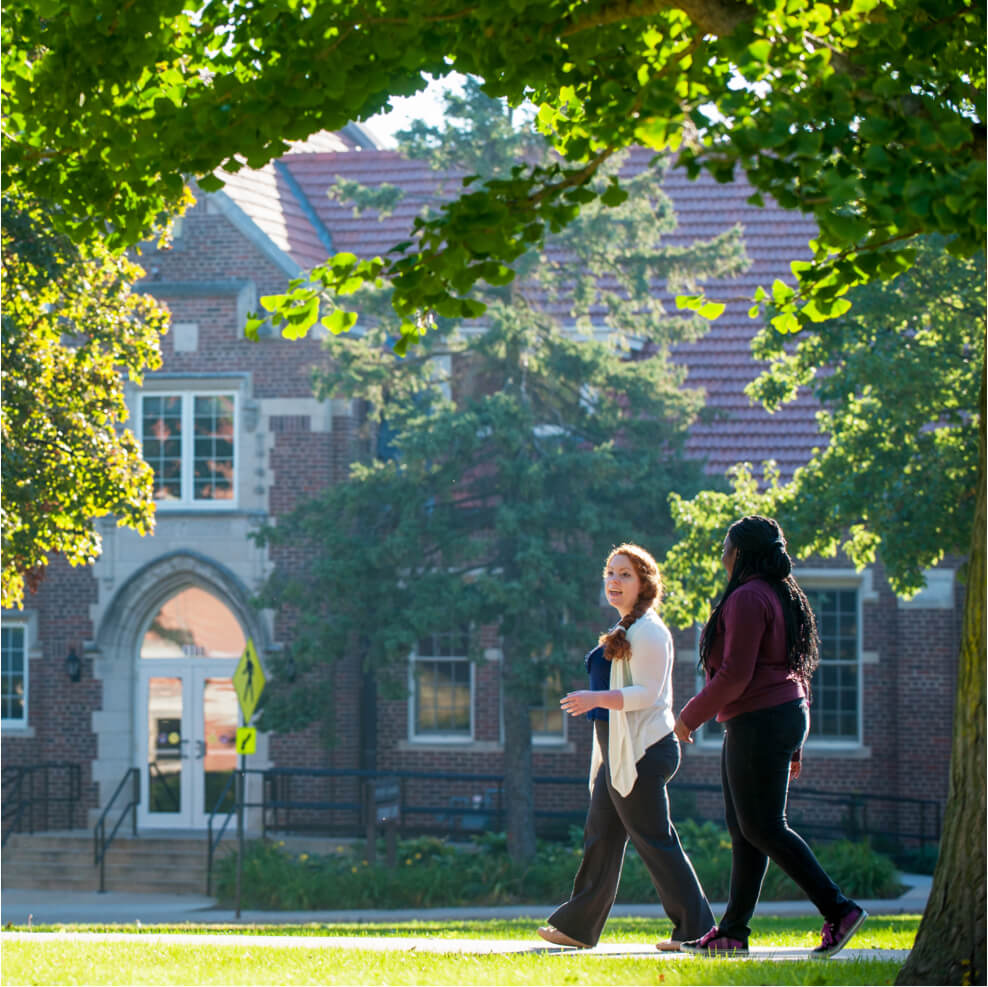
(794, 768)
(683, 732)
(580, 702)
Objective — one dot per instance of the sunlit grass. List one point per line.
(158, 962)
(59, 961)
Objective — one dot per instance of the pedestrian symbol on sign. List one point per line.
(248, 680)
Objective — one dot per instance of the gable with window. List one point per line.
(190, 441)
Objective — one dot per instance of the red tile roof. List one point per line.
(719, 362)
(266, 197)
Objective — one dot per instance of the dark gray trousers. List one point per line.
(642, 817)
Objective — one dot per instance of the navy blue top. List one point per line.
(600, 678)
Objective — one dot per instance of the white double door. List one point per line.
(187, 722)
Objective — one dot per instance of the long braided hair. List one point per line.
(761, 551)
(615, 641)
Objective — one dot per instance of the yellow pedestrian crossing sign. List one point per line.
(248, 680)
(246, 740)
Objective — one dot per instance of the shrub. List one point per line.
(912, 860)
(918, 861)
(431, 873)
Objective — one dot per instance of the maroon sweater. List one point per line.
(748, 659)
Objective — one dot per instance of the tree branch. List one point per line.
(717, 17)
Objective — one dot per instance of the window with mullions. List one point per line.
(548, 722)
(442, 693)
(189, 441)
(13, 674)
(835, 710)
(837, 681)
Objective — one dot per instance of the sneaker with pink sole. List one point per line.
(714, 944)
(836, 935)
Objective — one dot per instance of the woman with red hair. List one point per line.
(635, 754)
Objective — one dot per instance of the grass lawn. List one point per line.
(157, 961)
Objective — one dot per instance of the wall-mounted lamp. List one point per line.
(73, 666)
(289, 668)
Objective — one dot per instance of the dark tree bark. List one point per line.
(519, 793)
(950, 944)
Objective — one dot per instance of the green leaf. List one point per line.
(342, 260)
(786, 322)
(711, 310)
(614, 195)
(339, 321)
(782, 293)
(210, 183)
(349, 285)
(760, 50)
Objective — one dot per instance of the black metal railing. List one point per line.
(102, 842)
(339, 806)
(219, 817)
(162, 788)
(39, 797)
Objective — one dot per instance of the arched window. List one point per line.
(193, 624)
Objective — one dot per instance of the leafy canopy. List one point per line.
(72, 327)
(869, 115)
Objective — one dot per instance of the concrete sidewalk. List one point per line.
(430, 944)
(31, 907)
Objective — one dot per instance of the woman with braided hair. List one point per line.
(759, 649)
(635, 754)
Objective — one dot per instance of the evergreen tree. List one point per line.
(515, 456)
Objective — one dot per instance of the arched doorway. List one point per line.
(187, 712)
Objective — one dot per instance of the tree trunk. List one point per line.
(950, 944)
(519, 793)
(368, 720)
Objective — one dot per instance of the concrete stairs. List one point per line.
(145, 864)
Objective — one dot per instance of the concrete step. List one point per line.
(146, 864)
(114, 881)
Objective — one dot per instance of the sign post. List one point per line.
(383, 808)
(248, 683)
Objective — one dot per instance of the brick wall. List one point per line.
(908, 710)
(59, 710)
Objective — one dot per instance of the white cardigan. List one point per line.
(645, 680)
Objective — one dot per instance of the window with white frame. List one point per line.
(835, 713)
(548, 722)
(837, 682)
(442, 688)
(189, 440)
(13, 674)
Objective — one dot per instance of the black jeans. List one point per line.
(642, 817)
(758, 748)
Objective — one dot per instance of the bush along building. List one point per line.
(131, 664)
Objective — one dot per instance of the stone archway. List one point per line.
(118, 644)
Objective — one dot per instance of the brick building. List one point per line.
(236, 439)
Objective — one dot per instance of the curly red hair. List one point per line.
(615, 641)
